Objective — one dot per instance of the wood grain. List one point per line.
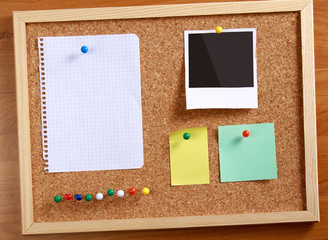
(10, 210)
(310, 134)
(171, 10)
(23, 131)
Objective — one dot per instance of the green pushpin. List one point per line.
(57, 198)
(110, 192)
(88, 197)
(186, 136)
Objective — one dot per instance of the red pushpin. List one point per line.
(245, 133)
(68, 196)
(132, 191)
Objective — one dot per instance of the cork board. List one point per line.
(164, 111)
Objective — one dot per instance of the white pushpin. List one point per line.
(120, 193)
(99, 196)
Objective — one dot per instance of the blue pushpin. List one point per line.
(78, 197)
(84, 49)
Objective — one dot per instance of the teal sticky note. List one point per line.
(247, 158)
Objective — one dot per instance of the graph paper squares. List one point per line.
(91, 102)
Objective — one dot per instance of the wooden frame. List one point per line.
(305, 7)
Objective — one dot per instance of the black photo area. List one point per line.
(221, 60)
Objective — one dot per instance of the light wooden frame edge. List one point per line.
(21, 18)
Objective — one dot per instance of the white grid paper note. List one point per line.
(91, 103)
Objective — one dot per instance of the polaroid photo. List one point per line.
(220, 69)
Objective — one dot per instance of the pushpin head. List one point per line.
(110, 192)
(99, 196)
(186, 136)
(245, 133)
(145, 191)
(68, 196)
(120, 193)
(219, 29)
(78, 197)
(57, 198)
(84, 49)
(132, 191)
(88, 197)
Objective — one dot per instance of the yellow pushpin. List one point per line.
(219, 29)
(145, 191)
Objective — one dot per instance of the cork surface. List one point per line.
(164, 111)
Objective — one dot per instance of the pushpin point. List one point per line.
(245, 133)
(186, 136)
(145, 191)
(84, 49)
(219, 29)
(57, 198)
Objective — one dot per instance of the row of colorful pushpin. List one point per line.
(100, 196)
(186, 135)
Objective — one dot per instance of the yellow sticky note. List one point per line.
(189, 158)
